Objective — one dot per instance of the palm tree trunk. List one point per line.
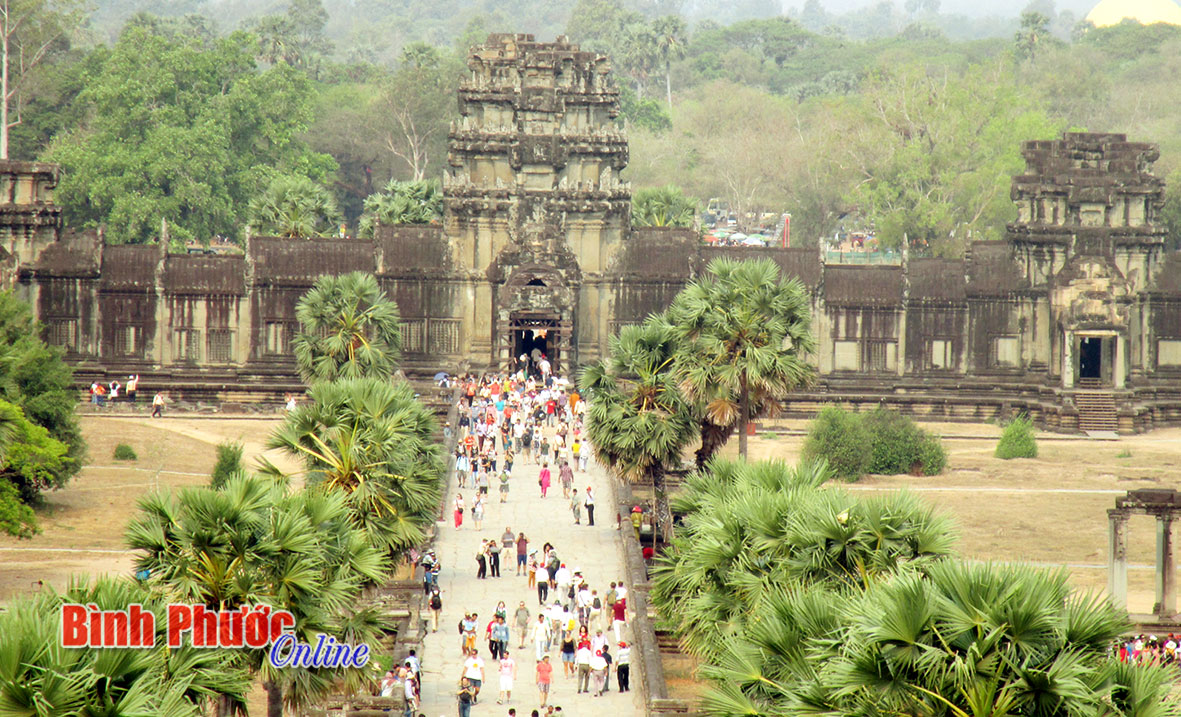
(713, 438)
(668, 83)
(743, 417)
(274, 698)
(224, 706)
(664, 516)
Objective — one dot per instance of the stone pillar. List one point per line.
(1119, 372)
(1166, 570)
(1117, 558)
(1067, 359)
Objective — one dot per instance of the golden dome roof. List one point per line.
(1145, 12)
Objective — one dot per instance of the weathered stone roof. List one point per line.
(218, 275)
(413, 250)
(937, 279)
(992, 270)
(73, 254)
(863, 285)
(302, 261)
(1168, 275)
(130, 267)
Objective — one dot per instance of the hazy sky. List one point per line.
(1004, 8)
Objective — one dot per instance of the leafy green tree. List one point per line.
(31, 32)
(38, 387)
(371, 442)
(1034, 33)
(747, 335)
(419, 202)
(939, 166)
(252, 542)
(294, 207)
(663, 207)
(228, 465)
(637, 420)
(348, 329)
(1170, 215)
(178, 131)
(40, 677)
(16, 518)
(645, 114)
(295, 37)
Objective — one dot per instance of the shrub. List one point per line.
(124, 452)
(883, 441)
(1017, 440)
(839, 436)
(900, 446)
(229, 462)
(16, 518)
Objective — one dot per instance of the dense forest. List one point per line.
(197, 119)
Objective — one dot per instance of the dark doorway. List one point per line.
(533, 343)
(1090, 358)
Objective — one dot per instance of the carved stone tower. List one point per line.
(534, 204)
(29, 220)
(1087, 233)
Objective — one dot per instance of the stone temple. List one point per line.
(1075, 317)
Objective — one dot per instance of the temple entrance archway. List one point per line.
(1090, 359)
(535, 336)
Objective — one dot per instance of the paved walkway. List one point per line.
(596, 551)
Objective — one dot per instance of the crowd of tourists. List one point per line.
(1149, 650)
(524, 431)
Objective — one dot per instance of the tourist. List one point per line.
(607, 672)
(543, 581)
(576, 507)
(459, 505)
(289, 402)
(467, 632)
(566, 475)
(522, 556)
(132, 387)
(500, 637)
(157, 404)
(582, 660)
(568, 653)
(482, 561)
(598, 668)
(589, 502)
(619, 615)
(462, 466)
(473, 671)
(114, 386)
(545, 675)
(389, 684)
(521, 620)
(508, 673)
(623, 667)
(467, 697)
(540, 634)
(436, 605)
(637, 518)
(504, 479)
(478, 511)
(493, 559)
(543, 478)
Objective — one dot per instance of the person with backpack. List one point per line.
(435, 603)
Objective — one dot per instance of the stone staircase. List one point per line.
(1096, 411)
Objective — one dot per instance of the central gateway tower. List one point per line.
(535, 209)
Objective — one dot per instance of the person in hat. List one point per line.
(623, 667)
(637, 520)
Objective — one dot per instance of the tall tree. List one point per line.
(420, 99)
(670, 44)
(1034, 32)
(370, 441)
(29, 31)
(747, 338)
(349, 328)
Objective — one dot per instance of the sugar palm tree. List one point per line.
(349, 328)
(418, 202)
(752, 529)
(252, 543)
(637, 420)
(40, 677)
(295, 207)
(670, 45)
(746, 333)
(663, 207)
(370, 441)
